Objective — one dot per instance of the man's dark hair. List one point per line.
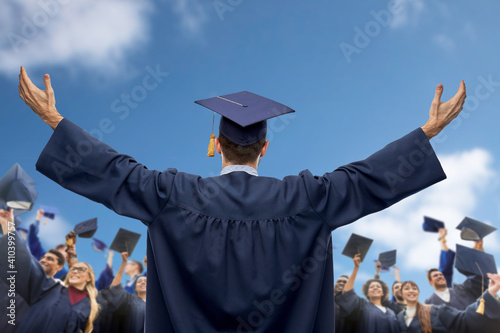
(385, 289)
(238, 154)
(60, 258)
(430, 272)
(141, 268)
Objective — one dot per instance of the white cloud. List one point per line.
(95, 33)
(444, 41)
(406, 12)
(192, 15)
(400, 227)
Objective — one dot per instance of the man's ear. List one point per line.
(264, 149)
(217, 146)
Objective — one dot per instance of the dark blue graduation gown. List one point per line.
(238, 253)
(445, 319)
(461, 295)
(50, 309)
(105, 278)
(126, 312)
(368, 317)
(34, 243)
(446, 260)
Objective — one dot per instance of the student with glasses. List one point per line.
(71, 307)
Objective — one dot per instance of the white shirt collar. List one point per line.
(245, 168)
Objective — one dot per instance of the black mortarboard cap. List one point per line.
(244, 115)
(467, 262)
(357, 244)
(432, 225)
(125, 241)
(17, 189)
(86, 229)
(474, 230)
(388, 258)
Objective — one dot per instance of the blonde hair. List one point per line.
(92, 292)
(423, 311)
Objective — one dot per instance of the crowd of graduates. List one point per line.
(470, 306)
(57, 291)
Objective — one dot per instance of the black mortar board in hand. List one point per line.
(432, 225)
(17, 189)
(474, 230)
(474, 262)
(357, 244)
(244, 115)
(125, 241)
(387, 259)
(86, 229)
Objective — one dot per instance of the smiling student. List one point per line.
(419, 318)
(370, 314)
(53, 307)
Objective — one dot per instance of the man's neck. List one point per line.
(440, 288)
(225, 164)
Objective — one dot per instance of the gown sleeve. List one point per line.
(105, 278)
(446, 260)
(116, 297)
(350, 305)
(469, 320)
(34, 243)
(74, 159)
(30, 279)
(400, 169)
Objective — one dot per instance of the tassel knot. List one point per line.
(211, 146)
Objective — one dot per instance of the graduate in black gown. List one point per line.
(420, 318)
(52, 306)
(125, 312)
(369, 314)
(459, 295)
(239, 252)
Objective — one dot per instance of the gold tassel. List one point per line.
(211, 146)
(480, 308)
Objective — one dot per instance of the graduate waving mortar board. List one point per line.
(255, 257)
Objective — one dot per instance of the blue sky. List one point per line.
(359, 75)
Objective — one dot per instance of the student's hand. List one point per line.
(478, 245)
(39, 214)
(378, 265)
(357, 260)
(124, 256)
(42, 102)
(494, 283)
(442, 113)
(6, 216)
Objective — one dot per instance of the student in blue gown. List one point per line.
(459, 295)
(239, 251)
(36, 249)
(52, 306)
(369, 314)
(420, 318)
(125, 312)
